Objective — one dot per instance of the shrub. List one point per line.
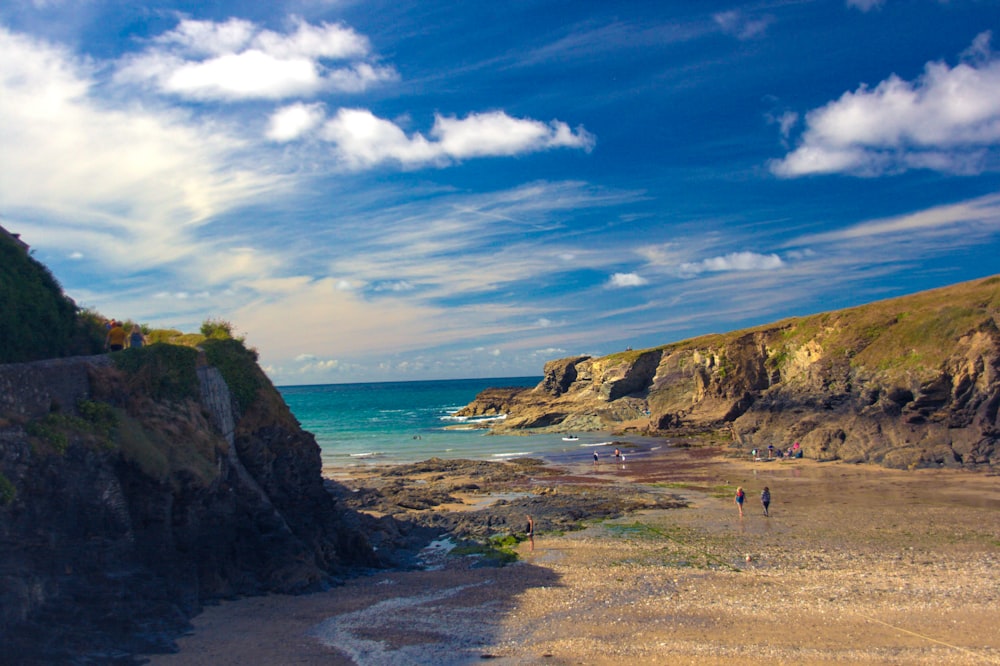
(36, 320)
(162, 371)
(218, 329)
(238, 366)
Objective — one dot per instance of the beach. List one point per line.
(856, 564)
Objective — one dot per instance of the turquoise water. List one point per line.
(398, 422)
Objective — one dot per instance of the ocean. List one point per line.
(401, 422)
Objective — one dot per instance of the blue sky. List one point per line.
(403, 190)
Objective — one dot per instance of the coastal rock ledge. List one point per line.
(137, 487)
(907, 382)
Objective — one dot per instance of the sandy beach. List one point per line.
(856, 564)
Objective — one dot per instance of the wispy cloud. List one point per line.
(737, 23)
(960, 218)
(865, 5)
(126, 185)
(947, 120)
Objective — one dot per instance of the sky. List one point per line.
(393, 190)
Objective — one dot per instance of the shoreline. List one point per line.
(856, 563)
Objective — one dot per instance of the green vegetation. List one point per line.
(219, 329)
(38, 321)
(499, 549)
(162, 371)
(178, 460)
(50, 432)
(239, 368)
(902, 338)
(95, 426)
(7, 490)
(682, 547)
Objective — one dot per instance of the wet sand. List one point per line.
(857, 564)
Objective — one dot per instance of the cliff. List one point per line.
(137, 486)
(907, 382)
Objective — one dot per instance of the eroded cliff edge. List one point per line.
(907, 382)
(136, 487)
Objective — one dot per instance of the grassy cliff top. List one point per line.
(908, 334)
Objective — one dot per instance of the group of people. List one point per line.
(765, 500)
(118, 338)
(793, 451)
(619, 457)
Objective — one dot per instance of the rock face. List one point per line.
(123, 509)
(909, 382)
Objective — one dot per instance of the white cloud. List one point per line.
(208, 38)
(619, 280)
(291, 122)
(948, 120)
(205, 60)
(365, 140)
(496, 133)
(735, 261)
(128, 184)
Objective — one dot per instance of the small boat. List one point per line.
(571, 438)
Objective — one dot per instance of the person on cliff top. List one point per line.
(135, 338)
(765, 500)
(740, 497)
(115, 340)
(530, 533)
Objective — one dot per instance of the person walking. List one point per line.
(740, 497)
(765, 499)
(115, 340)
(136, 339)
(530, 533)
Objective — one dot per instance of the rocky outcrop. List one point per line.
(126, 503)
(908, 382)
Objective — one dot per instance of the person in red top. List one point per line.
(740, 496)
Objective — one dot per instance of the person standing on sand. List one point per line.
(740, 496)
(530, 533)
(765, 499)
(595, 458)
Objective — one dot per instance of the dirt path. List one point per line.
(855, 565)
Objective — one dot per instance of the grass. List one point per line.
(902, 339)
